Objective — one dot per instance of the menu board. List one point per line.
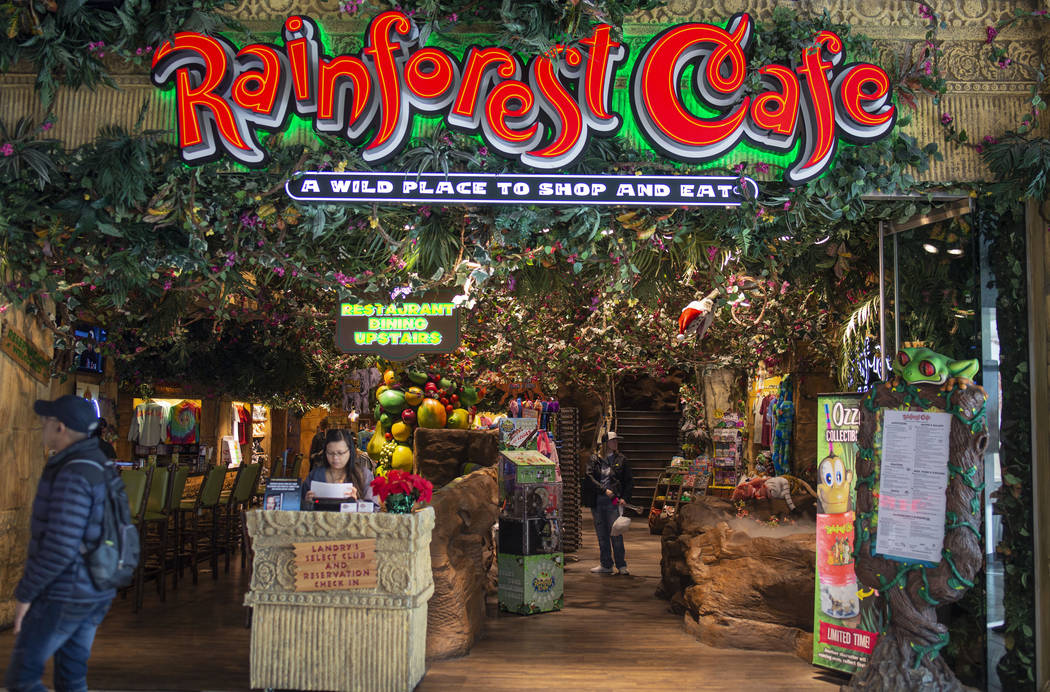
(912, 484)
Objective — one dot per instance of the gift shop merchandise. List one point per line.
(530, 560)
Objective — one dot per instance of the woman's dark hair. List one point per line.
(354, 467)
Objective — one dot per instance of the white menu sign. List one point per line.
(912, 484)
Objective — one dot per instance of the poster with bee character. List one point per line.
(846, 620)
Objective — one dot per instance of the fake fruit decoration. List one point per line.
(459, 419)
(375, 445)
(400, 431)
(431, 414)
(409, 399)
(392, 400)
(386, 455)
(402, 458)
(414, 396)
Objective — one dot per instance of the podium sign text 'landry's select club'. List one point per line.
(542, 112)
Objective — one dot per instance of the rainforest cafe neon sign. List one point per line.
(542, 113)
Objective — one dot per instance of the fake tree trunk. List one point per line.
(906, 656)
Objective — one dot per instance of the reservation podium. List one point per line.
(339, 599)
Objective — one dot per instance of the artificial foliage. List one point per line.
(212, 275)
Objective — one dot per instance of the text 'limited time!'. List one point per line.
(475, 188)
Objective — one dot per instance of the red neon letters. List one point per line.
(542, 112)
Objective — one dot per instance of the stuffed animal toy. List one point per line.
(754, 489)
(761, 488)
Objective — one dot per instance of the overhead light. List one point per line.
(930, 248)
(955, 251)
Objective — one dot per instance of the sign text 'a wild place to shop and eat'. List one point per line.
(541, 112)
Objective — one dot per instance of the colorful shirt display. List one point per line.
(184, 425)
(149, 425)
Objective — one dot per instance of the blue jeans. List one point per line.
(604, 515)
(59, 629)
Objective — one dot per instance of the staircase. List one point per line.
(648, 439)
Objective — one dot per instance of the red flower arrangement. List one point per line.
(399, 491)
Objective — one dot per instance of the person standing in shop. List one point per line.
(104, 444)
(57, 606)
(317, 445)
(608, 483)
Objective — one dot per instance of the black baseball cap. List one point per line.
(76, 413)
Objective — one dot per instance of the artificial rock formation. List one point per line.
(739, 584)
(462, 555)
(440, 454)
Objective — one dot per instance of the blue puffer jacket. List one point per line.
(67, 513)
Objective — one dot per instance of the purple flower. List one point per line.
(992, 33)
(1004, 62)
(988, 139)
(787, 205)
(739, 168)
(484, 151)
(511, 283)
(7, 149)
(46, 125)
(279, 271)
(167, 285)
(711, 252)
(762, 167)
(946, 119)
(925, 12)
(453, 18)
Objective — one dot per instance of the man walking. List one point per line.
(57, 606)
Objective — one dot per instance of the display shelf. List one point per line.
(726, 465)
(674, 487)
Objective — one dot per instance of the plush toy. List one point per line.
(754, 489)
(761, 488)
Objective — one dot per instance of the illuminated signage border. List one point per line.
(399, 330)
(541, 112)
(553, 189)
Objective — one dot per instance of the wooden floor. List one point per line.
(613, 634)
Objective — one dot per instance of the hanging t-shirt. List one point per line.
(242, 424)
(768, 420)
(184, 425)
(149, 425)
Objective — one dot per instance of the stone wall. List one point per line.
(22, 451)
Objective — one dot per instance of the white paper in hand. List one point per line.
(334, 491)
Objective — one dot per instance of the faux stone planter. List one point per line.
(353, 639)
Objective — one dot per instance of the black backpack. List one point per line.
(113, 562)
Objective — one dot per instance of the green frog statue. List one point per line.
(918, 365)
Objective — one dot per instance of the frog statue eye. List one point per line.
(927, 368)
(902, 358)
